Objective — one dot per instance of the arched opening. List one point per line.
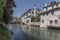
(51, 22)
(55, 21)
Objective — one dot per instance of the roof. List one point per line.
(49, 10)
(52, 3)
(29, 10)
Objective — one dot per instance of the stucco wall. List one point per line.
(49, 8)
(29, 21)
(57, 12)
(58, 5)
(49, 17)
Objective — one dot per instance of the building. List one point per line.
(16, 20)
(26, 17)
(50, 16)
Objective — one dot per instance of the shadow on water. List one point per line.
(24, 32)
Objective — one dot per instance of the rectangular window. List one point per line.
(43, 14)
(32, 12)
(56, 21)
(27, 21)
(47, 13)
(52, 12)
(42, 21)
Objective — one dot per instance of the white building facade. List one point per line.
(26, 17)
(51, 15)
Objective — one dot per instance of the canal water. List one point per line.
(24, 32)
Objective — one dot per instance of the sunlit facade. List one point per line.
(51, 15)
(26, 17)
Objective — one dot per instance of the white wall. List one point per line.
(29, 20)
(23, 19)
(45, 20)
(44, 9)
(58, 5)
(57, 12)
(52, 17)
(49, 8)
(55, 6)
(29, 14)
(49, 17)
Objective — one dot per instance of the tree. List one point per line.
(35, 19)
(2, 4)
(8, 11)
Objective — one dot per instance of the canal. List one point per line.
(24, 32)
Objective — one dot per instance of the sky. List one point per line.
(23, 5)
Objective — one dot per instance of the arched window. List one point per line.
(51, 21)
(56, 21)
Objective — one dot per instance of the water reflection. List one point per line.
(25, 32)
(42, 33)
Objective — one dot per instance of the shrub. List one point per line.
(35, 19)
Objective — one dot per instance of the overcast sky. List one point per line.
(24, 5)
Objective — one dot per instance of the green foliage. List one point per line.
(4, 34)
(11, 18)
(35, 19)
(2, 4)
(32, 19)
(8, 11)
